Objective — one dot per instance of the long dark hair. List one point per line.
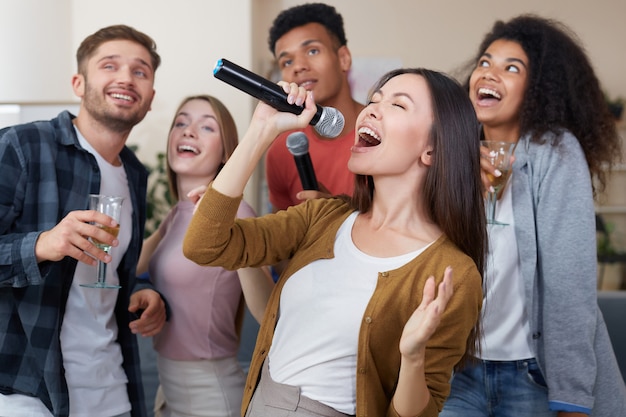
(563, 91)
(453, 188)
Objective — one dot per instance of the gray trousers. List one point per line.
(272, 399)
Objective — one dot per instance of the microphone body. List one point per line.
(327, 121)
(298, 146)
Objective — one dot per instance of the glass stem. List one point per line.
(491, 207)
(102, 270)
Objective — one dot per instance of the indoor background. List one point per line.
(38, 40)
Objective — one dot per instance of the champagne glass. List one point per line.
(112, 207)
(500, 157)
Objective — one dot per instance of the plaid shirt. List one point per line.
(45, 174)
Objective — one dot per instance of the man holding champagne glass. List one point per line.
(67, 349)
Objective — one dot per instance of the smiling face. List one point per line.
(498, 84)
(393, 131)
(309, 56)
(195, 146)
(117, 86)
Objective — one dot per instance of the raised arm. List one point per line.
(265, 125)
(214, 218)
(257, 285)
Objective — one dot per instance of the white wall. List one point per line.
(444, 34)
(40, 37)
(35, 51)
(190, 36)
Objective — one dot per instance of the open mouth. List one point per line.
(188, 149)
(488, 94)
(367, 137)
(124, 97)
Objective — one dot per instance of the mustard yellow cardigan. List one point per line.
(306, 233)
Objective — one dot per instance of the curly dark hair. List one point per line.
(300, 15)
(563, 91)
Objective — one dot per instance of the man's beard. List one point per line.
(117, 121)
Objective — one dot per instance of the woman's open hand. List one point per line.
(425, 319)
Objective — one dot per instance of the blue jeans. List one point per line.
(498, 389)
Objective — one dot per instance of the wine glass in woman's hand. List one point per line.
(499, 155)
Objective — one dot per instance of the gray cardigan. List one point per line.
(555, 229)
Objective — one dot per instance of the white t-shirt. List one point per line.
(91, 356)
(329, 296)
(505, 321)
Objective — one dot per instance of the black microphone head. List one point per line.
(298, 143)
(330, 123)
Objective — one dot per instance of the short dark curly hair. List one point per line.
(303, 14)
(563, 90)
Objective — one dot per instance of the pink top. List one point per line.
(330, 163)
(203, 300)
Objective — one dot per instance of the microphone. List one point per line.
(327, 121)
(298, 145)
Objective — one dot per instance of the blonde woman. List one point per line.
(198, 369)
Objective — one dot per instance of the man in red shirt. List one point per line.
(310, 47)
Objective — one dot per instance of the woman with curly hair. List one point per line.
(545, 350)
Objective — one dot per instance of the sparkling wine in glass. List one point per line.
(500, 157)
(112, 207)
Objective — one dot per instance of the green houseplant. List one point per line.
(159, 199)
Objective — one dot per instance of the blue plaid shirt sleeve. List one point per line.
(17, 250)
